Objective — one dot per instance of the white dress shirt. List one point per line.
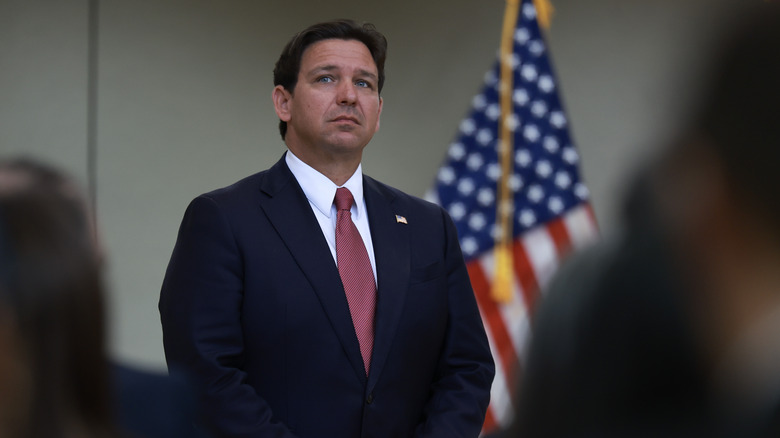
(320, 191)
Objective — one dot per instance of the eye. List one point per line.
(325, 79)
(362, 83)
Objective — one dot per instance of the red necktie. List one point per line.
(356, 273)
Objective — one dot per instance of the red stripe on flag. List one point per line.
(491, 314)
(560, 236)
(490, 423)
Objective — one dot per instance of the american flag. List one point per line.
(550, 215)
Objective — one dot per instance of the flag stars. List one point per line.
(555, 204)
(557, 119)
(520, 97)
(536, 48)
(546, 83)
(474, 161)
(542, 178)
(466, 186)
(479, 102)
(531, 133)
(529, 11)
(544, 169)
(581, 191)
(477, 221)
(523, 158)
(469, 245)
(551, 144)
(570, 155)
(457, 210)
(529, 72)
(447, 175)
(484, 136)
(539, 109)
(491, 78)
(535, 193)
(522, 36)
(485, 197)
(493, 111)
(493, 171)
(527, 217)
(457, 151)
(468, 126)
(563, 180)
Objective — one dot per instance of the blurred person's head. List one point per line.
(638, 337)
(53, 369)
(720, 193)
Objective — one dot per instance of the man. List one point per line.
(299, 320)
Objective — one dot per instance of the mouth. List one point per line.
(347, 119)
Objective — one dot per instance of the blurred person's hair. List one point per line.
(51, 292)
(737, 117)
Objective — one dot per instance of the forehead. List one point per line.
(337, 53)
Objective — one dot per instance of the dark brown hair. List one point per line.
(51, 287)
(289, 63)
(737, 115)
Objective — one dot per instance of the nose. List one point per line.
(346, 93)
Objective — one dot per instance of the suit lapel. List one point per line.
(391, 251)
(288, 210)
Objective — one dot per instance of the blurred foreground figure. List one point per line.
(53, 372)
(673, 328)
(55, 378)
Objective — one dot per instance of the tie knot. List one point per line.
(343, 199)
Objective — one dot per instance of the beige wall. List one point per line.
(183, 103)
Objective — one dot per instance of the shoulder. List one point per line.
(241, 187)
(266, 182)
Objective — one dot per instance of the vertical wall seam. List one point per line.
(92, 100)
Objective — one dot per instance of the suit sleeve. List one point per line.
(461, 391)
(200, 309)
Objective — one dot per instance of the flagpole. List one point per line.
(504, 278)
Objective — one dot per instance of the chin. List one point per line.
(348, 142)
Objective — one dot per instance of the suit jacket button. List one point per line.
(370, 398)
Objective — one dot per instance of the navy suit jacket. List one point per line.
(253, 307)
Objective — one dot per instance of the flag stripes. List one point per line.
(537, 255)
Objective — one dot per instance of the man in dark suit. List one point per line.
(299, 316)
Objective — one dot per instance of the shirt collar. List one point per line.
(320, 190)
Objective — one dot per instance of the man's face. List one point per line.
(335, 107)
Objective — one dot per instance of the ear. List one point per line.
(282, 99)
(379, 114)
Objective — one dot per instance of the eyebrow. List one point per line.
(328, 68)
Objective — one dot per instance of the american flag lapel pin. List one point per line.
(400, 219)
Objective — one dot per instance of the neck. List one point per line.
(336, 167)
(339, 173)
